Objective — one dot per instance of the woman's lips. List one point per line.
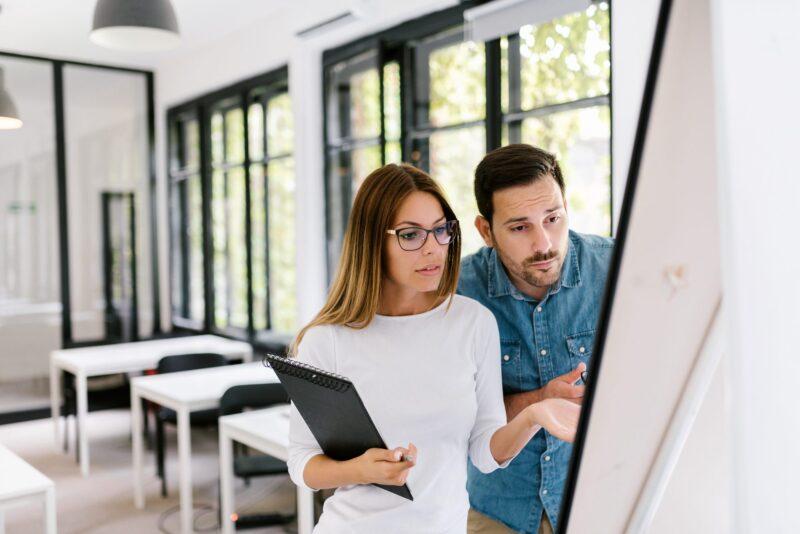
(430, 270)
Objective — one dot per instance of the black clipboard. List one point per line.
(333, 410)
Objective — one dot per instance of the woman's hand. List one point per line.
(557, 416)
(384, 466)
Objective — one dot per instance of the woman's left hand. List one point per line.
(557, 416)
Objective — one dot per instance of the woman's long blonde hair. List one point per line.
(355, 294)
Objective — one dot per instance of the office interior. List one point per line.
(196, 179)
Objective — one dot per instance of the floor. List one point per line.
(103, 502)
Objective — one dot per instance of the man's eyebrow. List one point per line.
(522, 219)
(412, 223)
(515, 219)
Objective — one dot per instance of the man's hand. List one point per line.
(563, 387)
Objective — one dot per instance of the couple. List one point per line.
(487, 375)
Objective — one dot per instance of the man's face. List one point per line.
(530, 231)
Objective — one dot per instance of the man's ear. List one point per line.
(485, 230)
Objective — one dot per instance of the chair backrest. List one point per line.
(237, 398)
(187, 362)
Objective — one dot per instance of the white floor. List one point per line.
(103, 502)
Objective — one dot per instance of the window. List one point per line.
(448, 133)
(556, 79)
(273, 211)
(228, 215)
(243, 210)
(358, 142)
(186, 193)
(442, 112)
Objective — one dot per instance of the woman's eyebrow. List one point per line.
(412, 223)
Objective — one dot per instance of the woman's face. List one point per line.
(420, 269)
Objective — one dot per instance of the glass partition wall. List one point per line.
(77, 261)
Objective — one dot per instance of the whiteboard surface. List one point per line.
(668, 284)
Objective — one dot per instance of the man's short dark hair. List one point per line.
(510, 166)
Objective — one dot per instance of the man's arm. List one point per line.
(561, 387)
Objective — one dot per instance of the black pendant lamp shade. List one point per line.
(9, 117)
(140, 25)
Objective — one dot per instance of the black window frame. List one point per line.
(259, 89)
(398, 44)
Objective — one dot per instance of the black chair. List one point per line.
(253, 396)
(174, 364)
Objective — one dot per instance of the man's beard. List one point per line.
(535, 277)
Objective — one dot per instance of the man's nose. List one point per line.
(541, 240)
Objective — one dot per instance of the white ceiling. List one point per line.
(60, 28)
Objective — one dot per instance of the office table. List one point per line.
(267, 431)
(185, 392)
(21, 483)
(123, 358)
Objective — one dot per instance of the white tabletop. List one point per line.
(200, 389)
(19, 478)
(138, 355)
(269, 426)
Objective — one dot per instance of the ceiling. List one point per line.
(60, 28)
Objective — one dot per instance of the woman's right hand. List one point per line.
(558, 416)
(385, 466)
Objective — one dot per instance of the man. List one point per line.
(544, 283)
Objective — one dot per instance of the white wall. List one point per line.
(633, 23)
(756, 47)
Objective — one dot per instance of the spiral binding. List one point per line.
(302, 370)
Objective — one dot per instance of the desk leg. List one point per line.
(50, 510)
(138, 453)
(185, 470)
(226, 481)
(55, 397)
(83, 430)
(305, 511)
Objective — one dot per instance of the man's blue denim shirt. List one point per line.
(539, 341)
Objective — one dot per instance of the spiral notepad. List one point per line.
(333, 411)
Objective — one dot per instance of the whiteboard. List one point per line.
(664, 286)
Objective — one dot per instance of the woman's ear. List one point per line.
(485, 229)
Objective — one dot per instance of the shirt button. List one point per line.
(543, 352)
(506, 357)
(544, 492)
(546, 458)
(582, 350)
(539, 309)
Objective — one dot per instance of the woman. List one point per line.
(425, 361)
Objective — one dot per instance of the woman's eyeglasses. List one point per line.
(413, 237)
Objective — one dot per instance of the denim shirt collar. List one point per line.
(500, 285)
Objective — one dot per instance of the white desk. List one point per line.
(267, 431)
(123, 358)
(20, 483)
(185, 392)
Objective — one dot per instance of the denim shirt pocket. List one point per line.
(580, 347)
(511, 365)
